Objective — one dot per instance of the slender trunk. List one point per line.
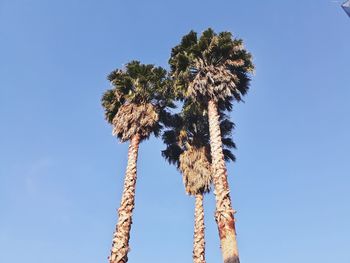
(224, 214)
(198, 237)
(120, 245)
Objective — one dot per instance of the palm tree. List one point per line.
(134, 106)
(213, 71)
(188, 148)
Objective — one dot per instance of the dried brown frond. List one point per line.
(216, 83)
(196, 170)
(134, 119)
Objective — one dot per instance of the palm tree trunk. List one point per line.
(224, 214)
(198, 237)
(120, 245)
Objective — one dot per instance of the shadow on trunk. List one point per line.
(232, 260)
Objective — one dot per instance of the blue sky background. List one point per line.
(61, 171)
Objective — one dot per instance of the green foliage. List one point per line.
(137, 84)
(188, 146)
(190, 128)
(214, 66)
(111, 102)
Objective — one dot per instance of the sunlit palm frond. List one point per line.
(213, 67)
(138, 100)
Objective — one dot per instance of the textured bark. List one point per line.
(199, 236)
(224, 214)
(120, 245)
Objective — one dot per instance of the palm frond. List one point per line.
(196, 170)
(211, 67)
(139, 99)
(188, 146)
(134, 119)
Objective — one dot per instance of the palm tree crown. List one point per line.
(212, 67)
(187, 146)
(137, 100)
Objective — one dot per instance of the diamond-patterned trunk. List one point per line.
(224, 214)
(120, 245)
(199, 228)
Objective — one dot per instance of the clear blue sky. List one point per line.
(61, 171)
